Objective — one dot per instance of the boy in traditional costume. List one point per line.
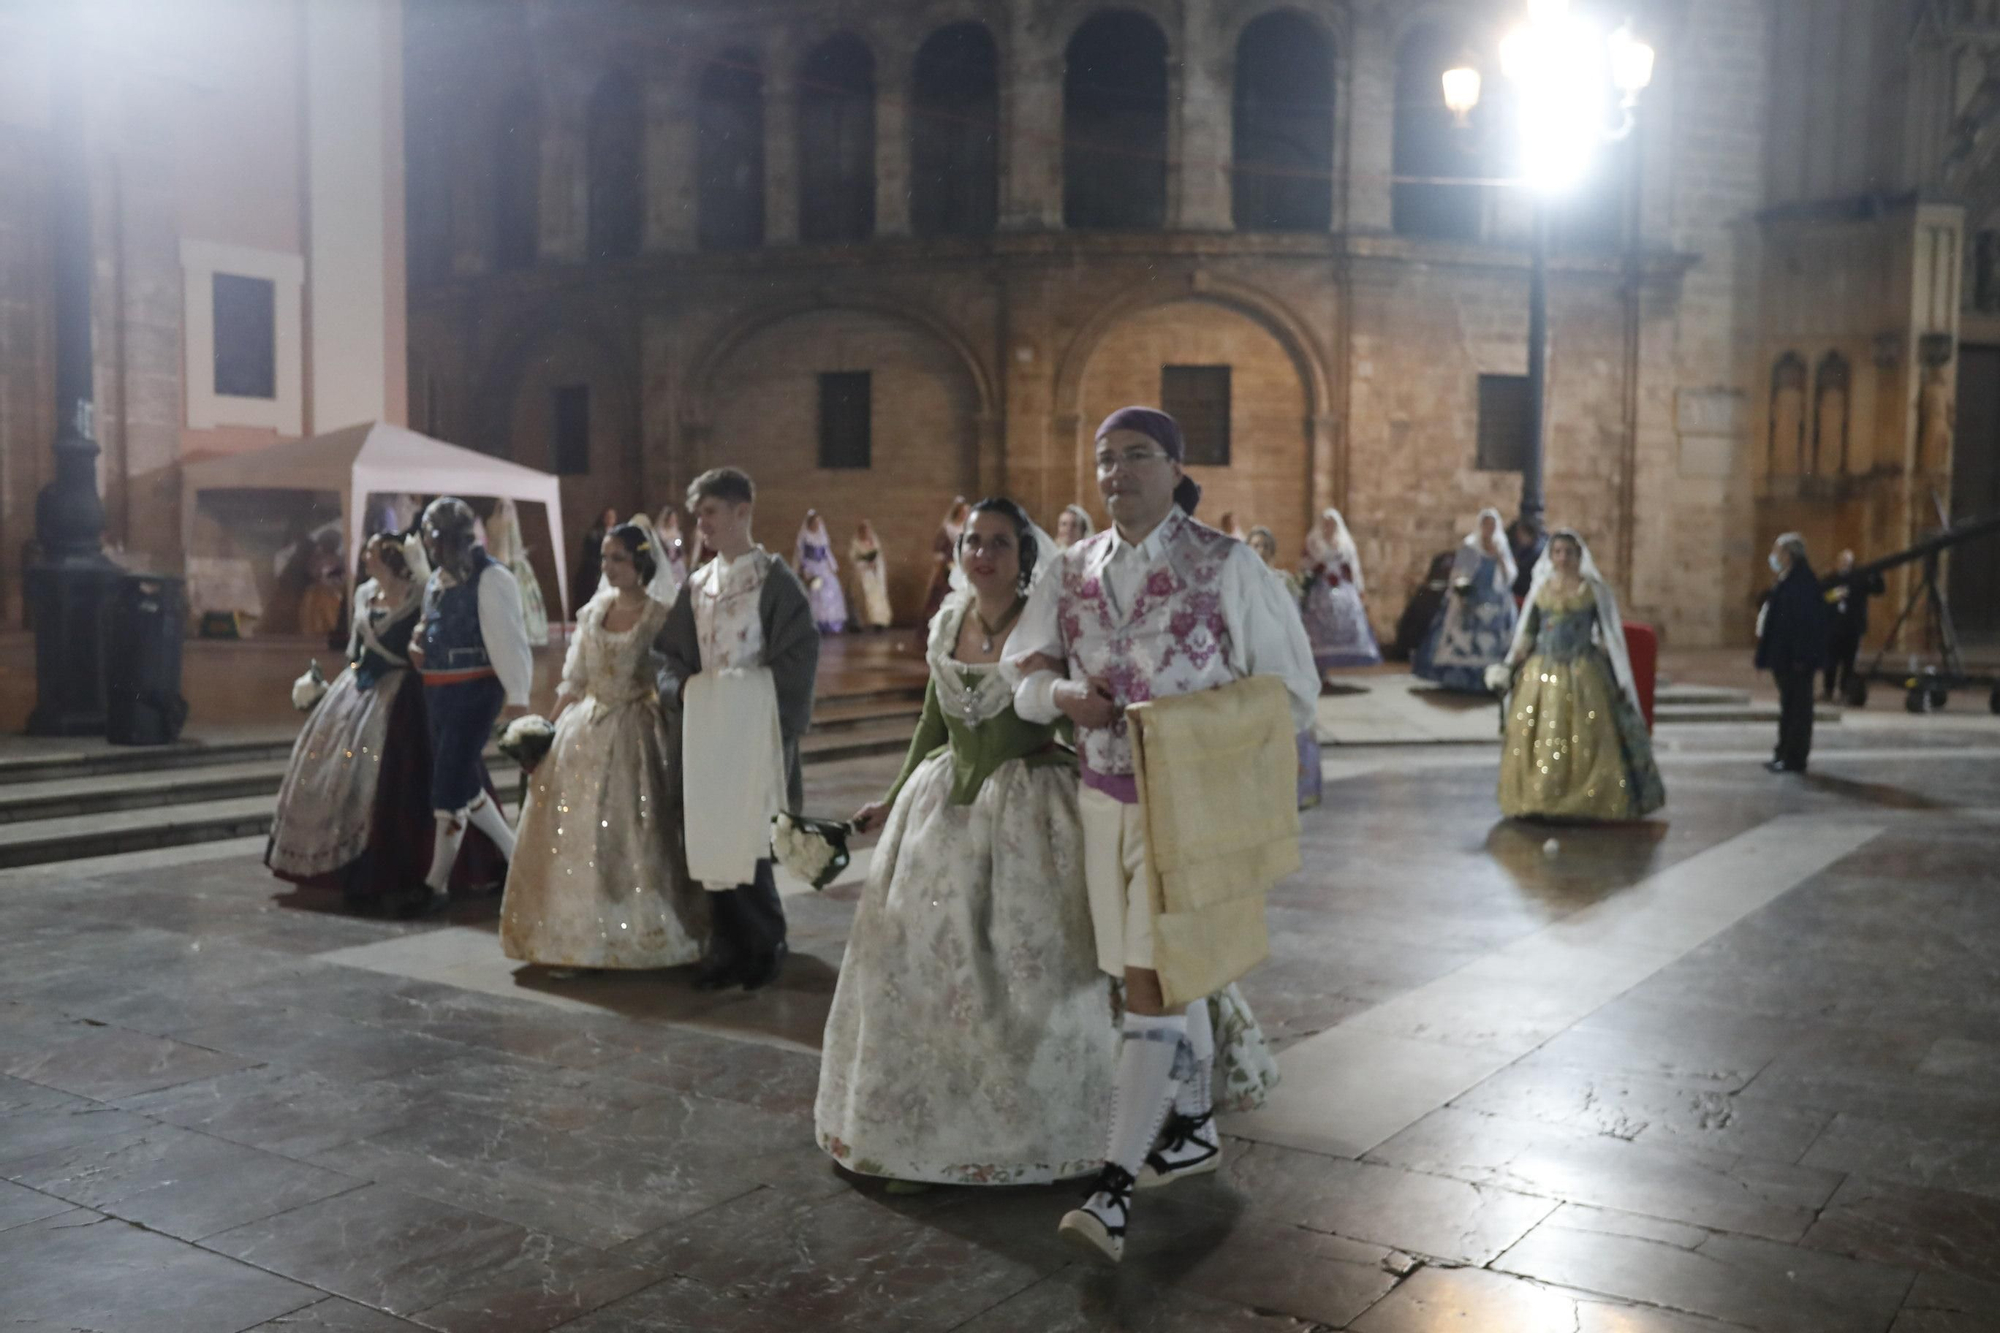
(473, 652)
(741, 653)
(1154, 607)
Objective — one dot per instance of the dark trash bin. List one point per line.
(146, 623)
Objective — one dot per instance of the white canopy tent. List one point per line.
(374, 457)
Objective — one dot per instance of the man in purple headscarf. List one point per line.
(1154, 606)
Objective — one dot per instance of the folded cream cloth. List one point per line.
(729, 735)
(1218, 786)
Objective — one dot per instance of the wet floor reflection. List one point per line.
(1587, 863)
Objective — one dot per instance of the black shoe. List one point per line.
(761, 973)
(420, 902)
(1775, 766)
(718, 970)
(1099, 1226)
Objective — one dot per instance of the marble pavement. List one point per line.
(1736, 1068)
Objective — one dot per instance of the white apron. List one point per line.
(729, 735)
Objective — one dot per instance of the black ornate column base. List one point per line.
(70, 600)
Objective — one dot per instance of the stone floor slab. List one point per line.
(334, 1315)
(847, 1261)
(1706, 1189)
(1478, 1301)
(178, 1182)
(444, 1267)
(1736, 1279)
(81, 1270)
(1942, 1231)
(1423, 1214)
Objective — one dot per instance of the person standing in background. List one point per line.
(1848, 598)
(1792, 646)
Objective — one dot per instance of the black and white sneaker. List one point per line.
(1099, 1226)
(1189, 1146)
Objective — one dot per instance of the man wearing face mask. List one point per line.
(1792, 646)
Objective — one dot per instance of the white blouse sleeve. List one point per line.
(1270, 637)
(1037, 631)
(505, 631)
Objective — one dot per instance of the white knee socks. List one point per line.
(1151, 1060)
(1194, 1096)
(486, 817)
(444, 848)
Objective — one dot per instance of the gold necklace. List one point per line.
(986, 644)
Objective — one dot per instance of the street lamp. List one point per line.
(1575, 86)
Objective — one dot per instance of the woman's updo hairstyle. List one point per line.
(1024, 529)
(388, 547)
(639, 545)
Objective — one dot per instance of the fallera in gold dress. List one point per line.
(1576, 746)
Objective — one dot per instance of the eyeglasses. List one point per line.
(1109, 461)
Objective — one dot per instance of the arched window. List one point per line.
(729, 153)
(1432, 151)
(955, 133)
(517, 182)
(1830, 403)
(837, 141)
(1785, 452)
(1115, 123)
(1283, 161)
(616, 140)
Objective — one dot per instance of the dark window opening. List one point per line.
(569, 417)
(729, 154)
(1282, 167)
(1198, 398)
(517, 183)
(1435, 157)
(846, 419)
(246, 336)
(1115, 123)
(616, 142)
(955, 133)
(1506, 425)
(837, 141)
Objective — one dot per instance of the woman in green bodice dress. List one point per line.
(970, 1039)
(1576, 745)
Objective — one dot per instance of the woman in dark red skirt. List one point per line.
(354, 811)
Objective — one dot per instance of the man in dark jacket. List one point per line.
(1848, 596)
(1791, 645)
(1528, 542)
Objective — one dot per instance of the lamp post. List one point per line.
(1567, 72)
(69, 587)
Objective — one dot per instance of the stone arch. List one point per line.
(1273, 316)
(1784, 454)
(955, 83)
(1832, 405)
(515, 411)
(1282, 149)
(1165, 13)
(1334, 20)
(755, 398)
(697, 401)
(836, 81)
(1120, 122)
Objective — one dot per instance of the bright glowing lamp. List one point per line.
(1631, 62)
(1461, 90)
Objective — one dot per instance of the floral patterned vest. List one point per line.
(1171, 640)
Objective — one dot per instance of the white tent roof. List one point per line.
(358, 461)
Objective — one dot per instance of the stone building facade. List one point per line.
(244, 167)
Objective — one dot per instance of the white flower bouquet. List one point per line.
(526, 739)
(310, 688)
(813, 849)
